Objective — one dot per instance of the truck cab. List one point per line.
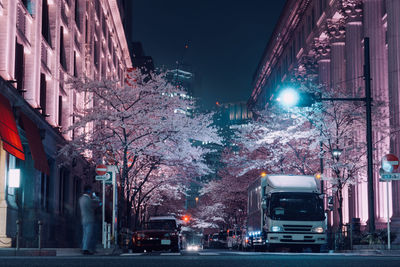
(291, 213)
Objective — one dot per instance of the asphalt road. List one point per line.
(208, 258)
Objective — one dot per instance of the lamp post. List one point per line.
(289, 99)
(336, 153)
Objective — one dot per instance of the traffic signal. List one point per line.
(186, 218)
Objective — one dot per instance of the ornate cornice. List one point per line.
(351, 10)
(307, 69)
(336, 29)
(321, 46)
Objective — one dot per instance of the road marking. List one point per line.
(209, 254)
(131, 254)
(170, 254)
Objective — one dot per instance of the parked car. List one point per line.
(233, 238)
(206, 240)
(159, 233)
(218, 240)
(214, 241)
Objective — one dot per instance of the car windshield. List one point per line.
(161, 225)
(296, 206)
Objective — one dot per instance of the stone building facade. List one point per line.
(43, 44)
(325, 38)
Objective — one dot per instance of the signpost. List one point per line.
(390, 163)
(107, 174)
(101, 169)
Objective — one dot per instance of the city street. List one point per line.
(209, 258)
(200, 133)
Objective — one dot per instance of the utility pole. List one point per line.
(368, 104)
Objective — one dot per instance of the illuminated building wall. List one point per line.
(42, 44)
(324, 38)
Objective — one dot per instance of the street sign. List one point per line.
(390, 162)
(101, 178)
(107, 177)
(389, 176)
(101, 169)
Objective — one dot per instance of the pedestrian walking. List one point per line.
(88, 206)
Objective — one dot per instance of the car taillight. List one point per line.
(141, 236)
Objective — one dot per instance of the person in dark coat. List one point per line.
(87, 206)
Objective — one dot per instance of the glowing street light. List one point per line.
(336, 153)
(289, 97)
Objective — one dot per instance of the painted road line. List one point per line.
(131, 254)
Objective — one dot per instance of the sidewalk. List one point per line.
(374, 249)
(67, 252)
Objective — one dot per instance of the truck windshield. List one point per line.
(161, 225)
(296, 206)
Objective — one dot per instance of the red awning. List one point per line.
(8, 130)
(35, 144)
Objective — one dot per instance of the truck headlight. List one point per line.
(318, 230)
(276, 228)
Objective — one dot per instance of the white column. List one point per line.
(393, 37)
(354, 86)
(338, 76)
(374, 29)
(324, 71)
(4, 240)
(33, 61)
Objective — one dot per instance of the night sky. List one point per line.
(226, 40)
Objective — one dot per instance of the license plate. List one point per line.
(165, 242)
(297, 237)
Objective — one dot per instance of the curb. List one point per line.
(28, 252)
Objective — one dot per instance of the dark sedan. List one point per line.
(160, 233)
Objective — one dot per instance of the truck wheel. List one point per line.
(316, 248)
(271, 248)
(136, 249)
(175, 249)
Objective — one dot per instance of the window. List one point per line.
(43, 89)
(44, 191)
(77, 20)
(321, 7)
(63, 58)
(86, 30)
(63, 190)
(60, 110)
(313, 18)
(45, 22)
(75, 66)
(96, 54)
(19, 66)
(29, 6)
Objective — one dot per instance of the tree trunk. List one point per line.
(340, 208)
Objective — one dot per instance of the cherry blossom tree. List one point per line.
(144, 127)
(293, 141)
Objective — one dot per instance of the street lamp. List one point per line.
(368, 105)
(289, 97)
(336, 153)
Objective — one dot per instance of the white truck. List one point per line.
(285, 211)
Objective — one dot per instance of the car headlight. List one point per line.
(193, 247)
(318, 230)
(276, 228)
